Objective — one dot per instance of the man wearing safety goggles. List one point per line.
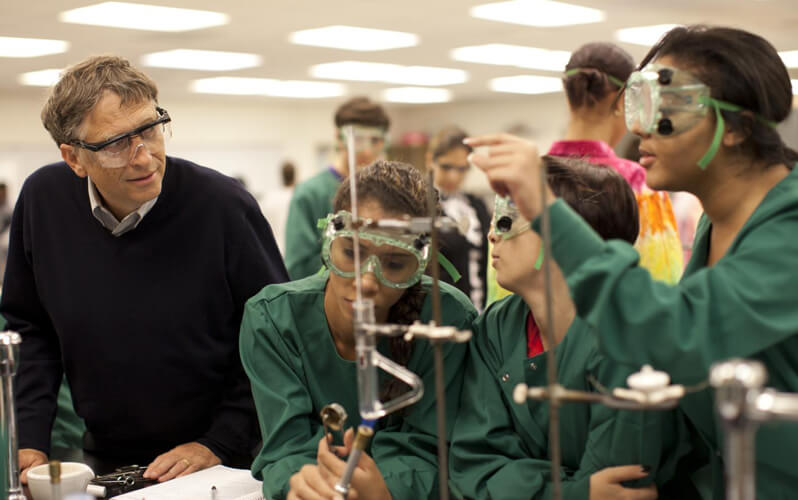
(312, 199)
(132, 272)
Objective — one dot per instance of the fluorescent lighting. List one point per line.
(526, 84)
(210, 60)
(389, 73)
(513, 55)
(790, 58)
(41, 78)
(540, 13)
(231, 85)
(30, 47)
(416, 95)
(644, 35)
(354, 38)
(137, 16)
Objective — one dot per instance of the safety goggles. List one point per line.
(668, 101)
(508, 222)
(366, 138)
(398, 260)
(117, 151)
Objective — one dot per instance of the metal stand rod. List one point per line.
(362, 438)
(9, 353)
(740, 468)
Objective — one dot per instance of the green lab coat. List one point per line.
(500, 449)
(311, 201)
(745, 306)
(295, 370)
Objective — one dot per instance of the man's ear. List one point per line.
(70, 156)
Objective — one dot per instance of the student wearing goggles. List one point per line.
(736, 298)
(298, 339)
(396, 259)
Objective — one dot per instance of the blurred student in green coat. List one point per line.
(501, 449)
(298, 348)
(312, 199)
(705, 105)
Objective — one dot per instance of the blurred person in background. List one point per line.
(447, 157)
(312, 199)
(274, 204)
(593, 77)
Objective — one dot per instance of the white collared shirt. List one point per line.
(109, 221)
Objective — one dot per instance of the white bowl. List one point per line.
(75, 477)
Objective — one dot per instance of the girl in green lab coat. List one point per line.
(298, 348)
(705, 106)
(500, 449)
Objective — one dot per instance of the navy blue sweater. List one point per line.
(144, 325)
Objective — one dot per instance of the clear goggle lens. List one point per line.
(118, 154)
(507, 220)
(664, 100)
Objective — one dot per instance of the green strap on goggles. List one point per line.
(720, 126)
(617, 81)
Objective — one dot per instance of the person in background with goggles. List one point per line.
(298, 348)
(704, 105)
(500, 448)
(593, 77)
(312, 199)
(127, 272)
(447, 157)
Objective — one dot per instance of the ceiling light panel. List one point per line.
(643, 35)
(209, 60)
(539, 13)
(362, 71)
(30, 47)
(513, 55)
(416, 95)
(790, 58)
(354, 38)
(41, 78)
(144, 17)
(299, 89)
(526, 84)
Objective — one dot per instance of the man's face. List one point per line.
(126, 188)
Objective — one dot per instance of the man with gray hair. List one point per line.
(128, 271)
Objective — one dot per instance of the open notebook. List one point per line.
(231, 484)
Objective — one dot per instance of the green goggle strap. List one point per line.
(539, 260)
(616, 81)
(720, 126)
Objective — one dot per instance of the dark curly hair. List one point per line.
(401, 188)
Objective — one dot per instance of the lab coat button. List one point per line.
(505, 377)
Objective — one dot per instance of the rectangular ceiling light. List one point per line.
(354, 38)
(143, 17)
(416, 95)
(643, 35)
(389, 73)
(526, 84)
(210, 60)
(41, 78)
(790, 58)
(231, 85)
(513, 55)
(30, 47)
(540, 13)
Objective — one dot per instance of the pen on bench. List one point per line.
(213, 492)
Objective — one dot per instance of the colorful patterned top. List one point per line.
(658, 242)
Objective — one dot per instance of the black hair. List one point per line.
(599, 194)
(596, 62)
